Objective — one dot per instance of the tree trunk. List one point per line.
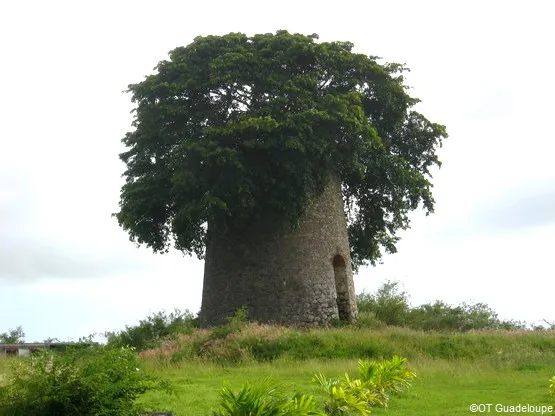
(301, 277)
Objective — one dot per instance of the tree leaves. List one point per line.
(233, 128)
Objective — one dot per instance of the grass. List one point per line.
(450, 387)
(443, 387)
(453, 370)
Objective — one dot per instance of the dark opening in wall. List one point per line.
(11, 351)
(341, 286)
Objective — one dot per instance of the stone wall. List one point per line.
(283, 276)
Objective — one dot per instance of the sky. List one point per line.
(483, 69)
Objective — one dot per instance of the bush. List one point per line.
(153, 330)
(264, 399)
(217, 345)
(235, 323)
(388, 305)
(85, 380)
(439, 316)
(511, 325)
(377, 380)
(368, 320)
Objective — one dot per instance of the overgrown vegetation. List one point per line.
(391, 306)
(518, 349)
(84, 380)
(153, 330)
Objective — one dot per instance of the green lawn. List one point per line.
(442, 387)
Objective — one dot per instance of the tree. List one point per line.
(13, 336)
(269, 156)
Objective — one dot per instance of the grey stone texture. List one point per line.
(302, 277)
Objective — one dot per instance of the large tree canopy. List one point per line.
(235, 128)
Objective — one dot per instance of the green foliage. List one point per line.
(387, 375)
(13, 336)
(264, 399)
(84, 380)
(552, 385)
(377, 380)
(265, 343)
(345, 396)
(216, 346)
(234, 324)
(322, 344)
(341, 398)
(235, 129)
(511, 325)
(440, 316)
(304, 345)
(442, 387)
(388, 304)
(153, 330)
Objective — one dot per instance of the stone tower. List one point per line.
(301, 277)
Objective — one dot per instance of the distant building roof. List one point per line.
(33, 345)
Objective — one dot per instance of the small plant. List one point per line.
(387, 375)
(234, 324)
(85, 380)
(342, 398)
(376, 381)
(264, 399)
(552, 386)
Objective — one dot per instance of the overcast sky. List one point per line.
(484, 69)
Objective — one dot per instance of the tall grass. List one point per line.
(265, 343)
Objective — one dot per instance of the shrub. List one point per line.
(235, 323)
(368, 320)
(264, 399)
(377, 380)
(85, 380)
(388, 304)
(216, 345)
(386, 375)
(342, 397)
(439, 316)
(511, 325)
(153, 330)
